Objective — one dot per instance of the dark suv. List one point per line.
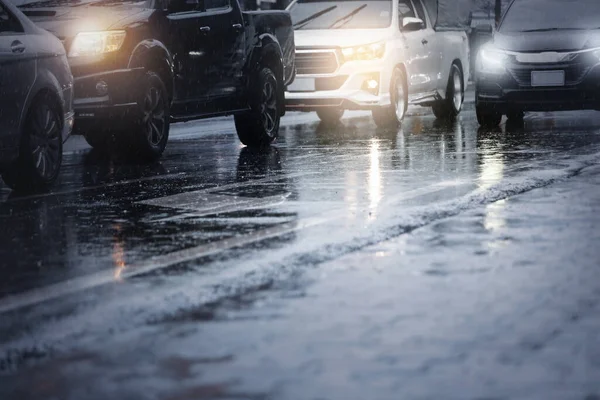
(545, 56)
(139, 65)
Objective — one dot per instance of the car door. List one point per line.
(226, 49)
(187, 40)
(430, 51)
(17, 75)
(418, 63)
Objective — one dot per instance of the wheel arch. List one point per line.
(153, 55)
(45, 84)
(268, 54)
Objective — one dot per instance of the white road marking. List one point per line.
(87, 188)
(107, 276)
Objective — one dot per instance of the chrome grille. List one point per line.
(576, 67)
(574, 73)
(316, 62)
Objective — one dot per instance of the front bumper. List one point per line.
(108, 96)
(347, 88)
(504, 93)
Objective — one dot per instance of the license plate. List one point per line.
(547, 78)
(302, 85)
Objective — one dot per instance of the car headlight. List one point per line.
(366, 52)
(95, 43)
(492, 60)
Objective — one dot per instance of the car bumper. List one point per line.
(109, 96)
(351, 87)
(504, 94)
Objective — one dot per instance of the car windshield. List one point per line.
(548, 15)
(310, 14)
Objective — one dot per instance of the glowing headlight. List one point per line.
(94, 43)
(367, 52)
(492, 60)
(597, 54)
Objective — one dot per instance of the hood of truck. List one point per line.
(333, 38)
(67, 21)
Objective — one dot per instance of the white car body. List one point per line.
(426, 55)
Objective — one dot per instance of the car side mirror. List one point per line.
(484, 29)
(410, 24)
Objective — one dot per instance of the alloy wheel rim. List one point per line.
(457, 82)
(45, 137)
(399, 100)
(154, 116)
(269, 107)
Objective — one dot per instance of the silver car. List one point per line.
(36, 102)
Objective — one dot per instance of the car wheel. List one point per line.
(487, 116)
(450, 107)
(330, 116)
(149, 134)
(515, 115)
(98, 139)
(392, 115)
(259, 127)
(40, 151)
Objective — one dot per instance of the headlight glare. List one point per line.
(95, 43)
(373, 51)
(492, 60)
(597, 54)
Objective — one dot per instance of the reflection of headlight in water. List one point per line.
(374, 179)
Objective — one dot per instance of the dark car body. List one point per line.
(204, 51)
(551, 68)
(32, 61)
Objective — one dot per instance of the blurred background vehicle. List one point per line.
(36, 102)
(379, 56)
(540, 61)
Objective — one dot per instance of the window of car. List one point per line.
(545, 15)
(216, 5)
(8, 22)
(420, 11)
(405, 9)
(179, 6)
(341, 14)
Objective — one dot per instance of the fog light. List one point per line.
(102, 88)
(372, 84)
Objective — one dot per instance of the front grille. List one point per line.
(574, 73)
(316, 62)
(333, 83)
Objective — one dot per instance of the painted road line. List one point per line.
(107, 276)
(87, 188)
(182, 199)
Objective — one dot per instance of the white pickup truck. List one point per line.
(379, 55)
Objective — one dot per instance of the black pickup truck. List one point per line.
(140, 65)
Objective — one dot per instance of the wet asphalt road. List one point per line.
(437, 261)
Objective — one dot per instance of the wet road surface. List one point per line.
(435, 261)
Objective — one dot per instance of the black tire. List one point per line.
(487, 116)
(393, 115)
(146, 138)
(98, 139)
(40, 152)
(450, 107)
(259, 127)
(330, 116)
(515, 116)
